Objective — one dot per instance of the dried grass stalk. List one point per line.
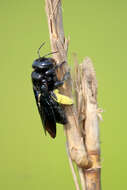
(82, 130)
(88, 115)
(60, 43)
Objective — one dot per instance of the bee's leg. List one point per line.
(66, 76)
(53, 95)
(59, 83)
(51, 71)
(60, 65)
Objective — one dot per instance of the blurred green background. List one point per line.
(29, 160)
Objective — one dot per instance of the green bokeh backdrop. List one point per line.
(29, 160)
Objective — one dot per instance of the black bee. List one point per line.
(45, 81)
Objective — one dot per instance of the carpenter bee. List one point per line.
(48, 99)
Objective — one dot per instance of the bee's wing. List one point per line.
(47, 116)
(36, 94)
(46, 113)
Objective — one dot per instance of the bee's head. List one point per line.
(43, 64)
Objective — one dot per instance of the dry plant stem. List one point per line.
(60, 43)
(82, 179)
(85, 137)
(91, 127)
(72, 169)
(88, 116)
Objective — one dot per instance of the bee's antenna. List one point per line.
(50, 53)
(38, 51)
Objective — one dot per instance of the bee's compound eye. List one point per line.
(36, 76)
